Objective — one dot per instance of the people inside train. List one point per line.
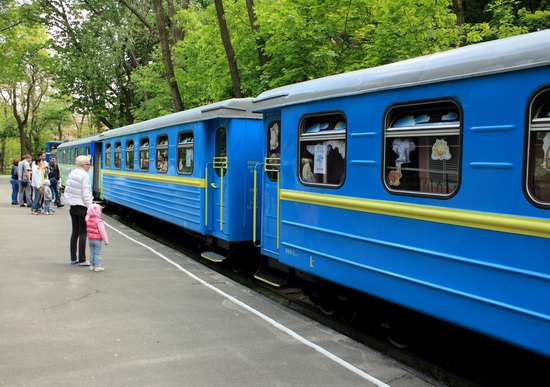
(161, 163)
(55, 180)
(145, 164)
(78, 194)
(14, 180)
(24, 179)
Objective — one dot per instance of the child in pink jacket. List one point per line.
(96, 233)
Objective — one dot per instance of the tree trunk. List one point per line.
(177, 33)
(233, 69)
(3, 153)
(26, 146)
(459, 12)
(167, 57)
(260, 44)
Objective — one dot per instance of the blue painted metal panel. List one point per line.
(193, 201)
(470, 276)
(174, 203)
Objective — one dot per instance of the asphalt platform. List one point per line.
(154, 318)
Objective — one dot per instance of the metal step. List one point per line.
(212, 256)
(271, 278)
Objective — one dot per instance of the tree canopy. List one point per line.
(115, 62)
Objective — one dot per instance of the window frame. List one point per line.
(108, 155)
(273, 147)
(129, 154)
(161, 149)
(537, 158)
(220, 156)
(324, 128)
(118, 155)
(144, 154)
(432, 144)
(189, 149)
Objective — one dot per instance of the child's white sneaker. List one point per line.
(91, 268)
(97, 268)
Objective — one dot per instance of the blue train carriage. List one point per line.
(193, 169)
(67, 153)
(425, 183)
(51, 149)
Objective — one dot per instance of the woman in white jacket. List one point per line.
(78, 194)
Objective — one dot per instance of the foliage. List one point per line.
(410, 28)
(148, 81)
(202, 69)
(310, 39)
(509, 18)
(98, 45)
(23, 71)
(105, 63)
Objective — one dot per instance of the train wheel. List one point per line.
(399, 335)
(326, 303)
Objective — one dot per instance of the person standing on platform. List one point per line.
(96, 234)
(24, 176)
(14, 180)
(55, 181)
(78, 194)
(37, 182)
(45, 164)
(47, 197)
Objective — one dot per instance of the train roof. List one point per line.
(80, 141)
(503, 55)
(231, 108)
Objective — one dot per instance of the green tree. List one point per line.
(23, 69)
(98, 46)
(411, 28)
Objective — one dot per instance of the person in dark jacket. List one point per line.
(55, 181)
(14, 180)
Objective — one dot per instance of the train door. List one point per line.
(270, 188)
(95, 155)
(217, 184)
(271, 271)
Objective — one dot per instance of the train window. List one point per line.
(422, 148)
(107, 155)
(323, 149)
(185, 152)
(130, 155)
(273, 158)
(538, 151)
(144, 154)
(220, 159)
(118, 154)
(162, 153)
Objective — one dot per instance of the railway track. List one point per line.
(450, 355)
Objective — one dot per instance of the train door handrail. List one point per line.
(255, 205)
(221, 163)
(206, 194)
(273, 164)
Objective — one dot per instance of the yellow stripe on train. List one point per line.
(190, 182)
(481, 220)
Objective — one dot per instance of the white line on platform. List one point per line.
(277, 325)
